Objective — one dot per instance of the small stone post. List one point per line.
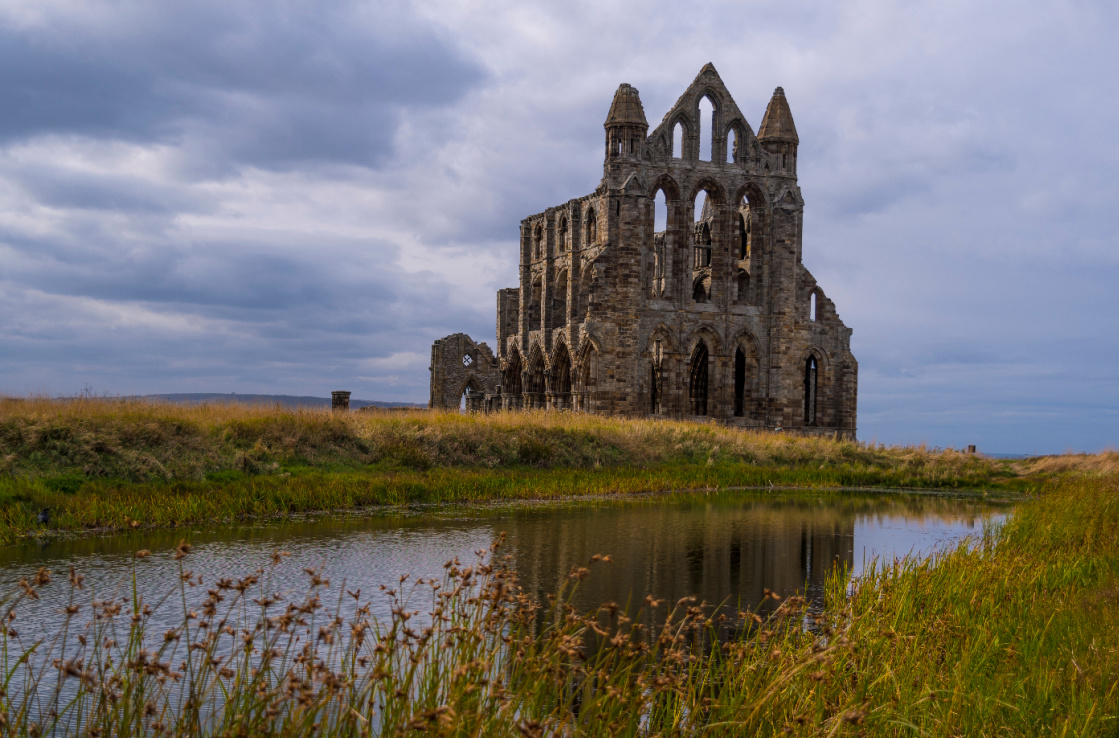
(340, 400)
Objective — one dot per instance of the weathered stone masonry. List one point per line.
(713, 317)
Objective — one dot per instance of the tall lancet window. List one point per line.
(810, 372)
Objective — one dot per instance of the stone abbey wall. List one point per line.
(715, 316)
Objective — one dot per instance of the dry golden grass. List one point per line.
(142, 441)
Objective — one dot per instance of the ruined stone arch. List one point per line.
(589, 343)
(699, 377)
(716, 134)
(586, 374)
(562, 229)
(660, 333)
(745, 376)
(684, 120)
(559, 344)
(701, 286)
(813, 304)
(666, 184)
(742, 137)
(536, 368)
(753, 193)
(561, 371)
(816, 377)
(537, 241)
(472, 383)
(716, 195)
(714, 94)
(511, 372)
(707, 334)
(746, 340)
(820, 354)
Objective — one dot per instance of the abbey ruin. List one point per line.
(708, 315)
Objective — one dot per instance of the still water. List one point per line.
(726, 547)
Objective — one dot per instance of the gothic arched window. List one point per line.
(697, 381)
(810, 381)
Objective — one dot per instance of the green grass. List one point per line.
(106, 505)
(1018, 636)
(107, 464)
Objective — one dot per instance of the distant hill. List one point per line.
(198, 398)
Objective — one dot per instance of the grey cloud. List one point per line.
(264, 87)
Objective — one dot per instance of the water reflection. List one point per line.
(720, 548)
(731, 548)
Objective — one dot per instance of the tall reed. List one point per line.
(1014, 636)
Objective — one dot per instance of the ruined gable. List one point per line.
(712, 316)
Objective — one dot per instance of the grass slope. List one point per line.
(106, 464)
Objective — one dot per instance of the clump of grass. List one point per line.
(1014, 636)
(142, 441)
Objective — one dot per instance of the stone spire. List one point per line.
(625, 126)
(626, 109)
(777, 125)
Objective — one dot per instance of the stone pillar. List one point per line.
(340, 400)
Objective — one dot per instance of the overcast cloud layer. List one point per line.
(297, 197)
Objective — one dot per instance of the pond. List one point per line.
(720, 547)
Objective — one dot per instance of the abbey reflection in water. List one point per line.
(715, 551)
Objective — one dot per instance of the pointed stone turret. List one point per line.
(778, 135)
(626, 108)
(777, 125)
(625, 125)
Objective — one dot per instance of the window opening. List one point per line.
(739, 383)
(697, 385)
(701, 231)
(706, 138)
(511, 384)
(732, 145)
(467, 360)
(701, 288)
(660, 228)
(559, 301)
(536, 375)
(534, 306)
(743, 237)
(592, 229)
(812, 307)
(561, 378)
(562, 239)
(810, 372)
(660, 212)
(678, 141)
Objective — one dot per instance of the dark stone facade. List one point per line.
(713, 317)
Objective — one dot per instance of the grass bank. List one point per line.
(109, 464)
(1017, 636)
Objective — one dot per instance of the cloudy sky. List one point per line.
(299, 196)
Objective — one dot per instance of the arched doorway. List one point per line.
(739, 383)
(511, 381)
(697, 382)
(561, 379)
(585, 394)
(534, 391)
